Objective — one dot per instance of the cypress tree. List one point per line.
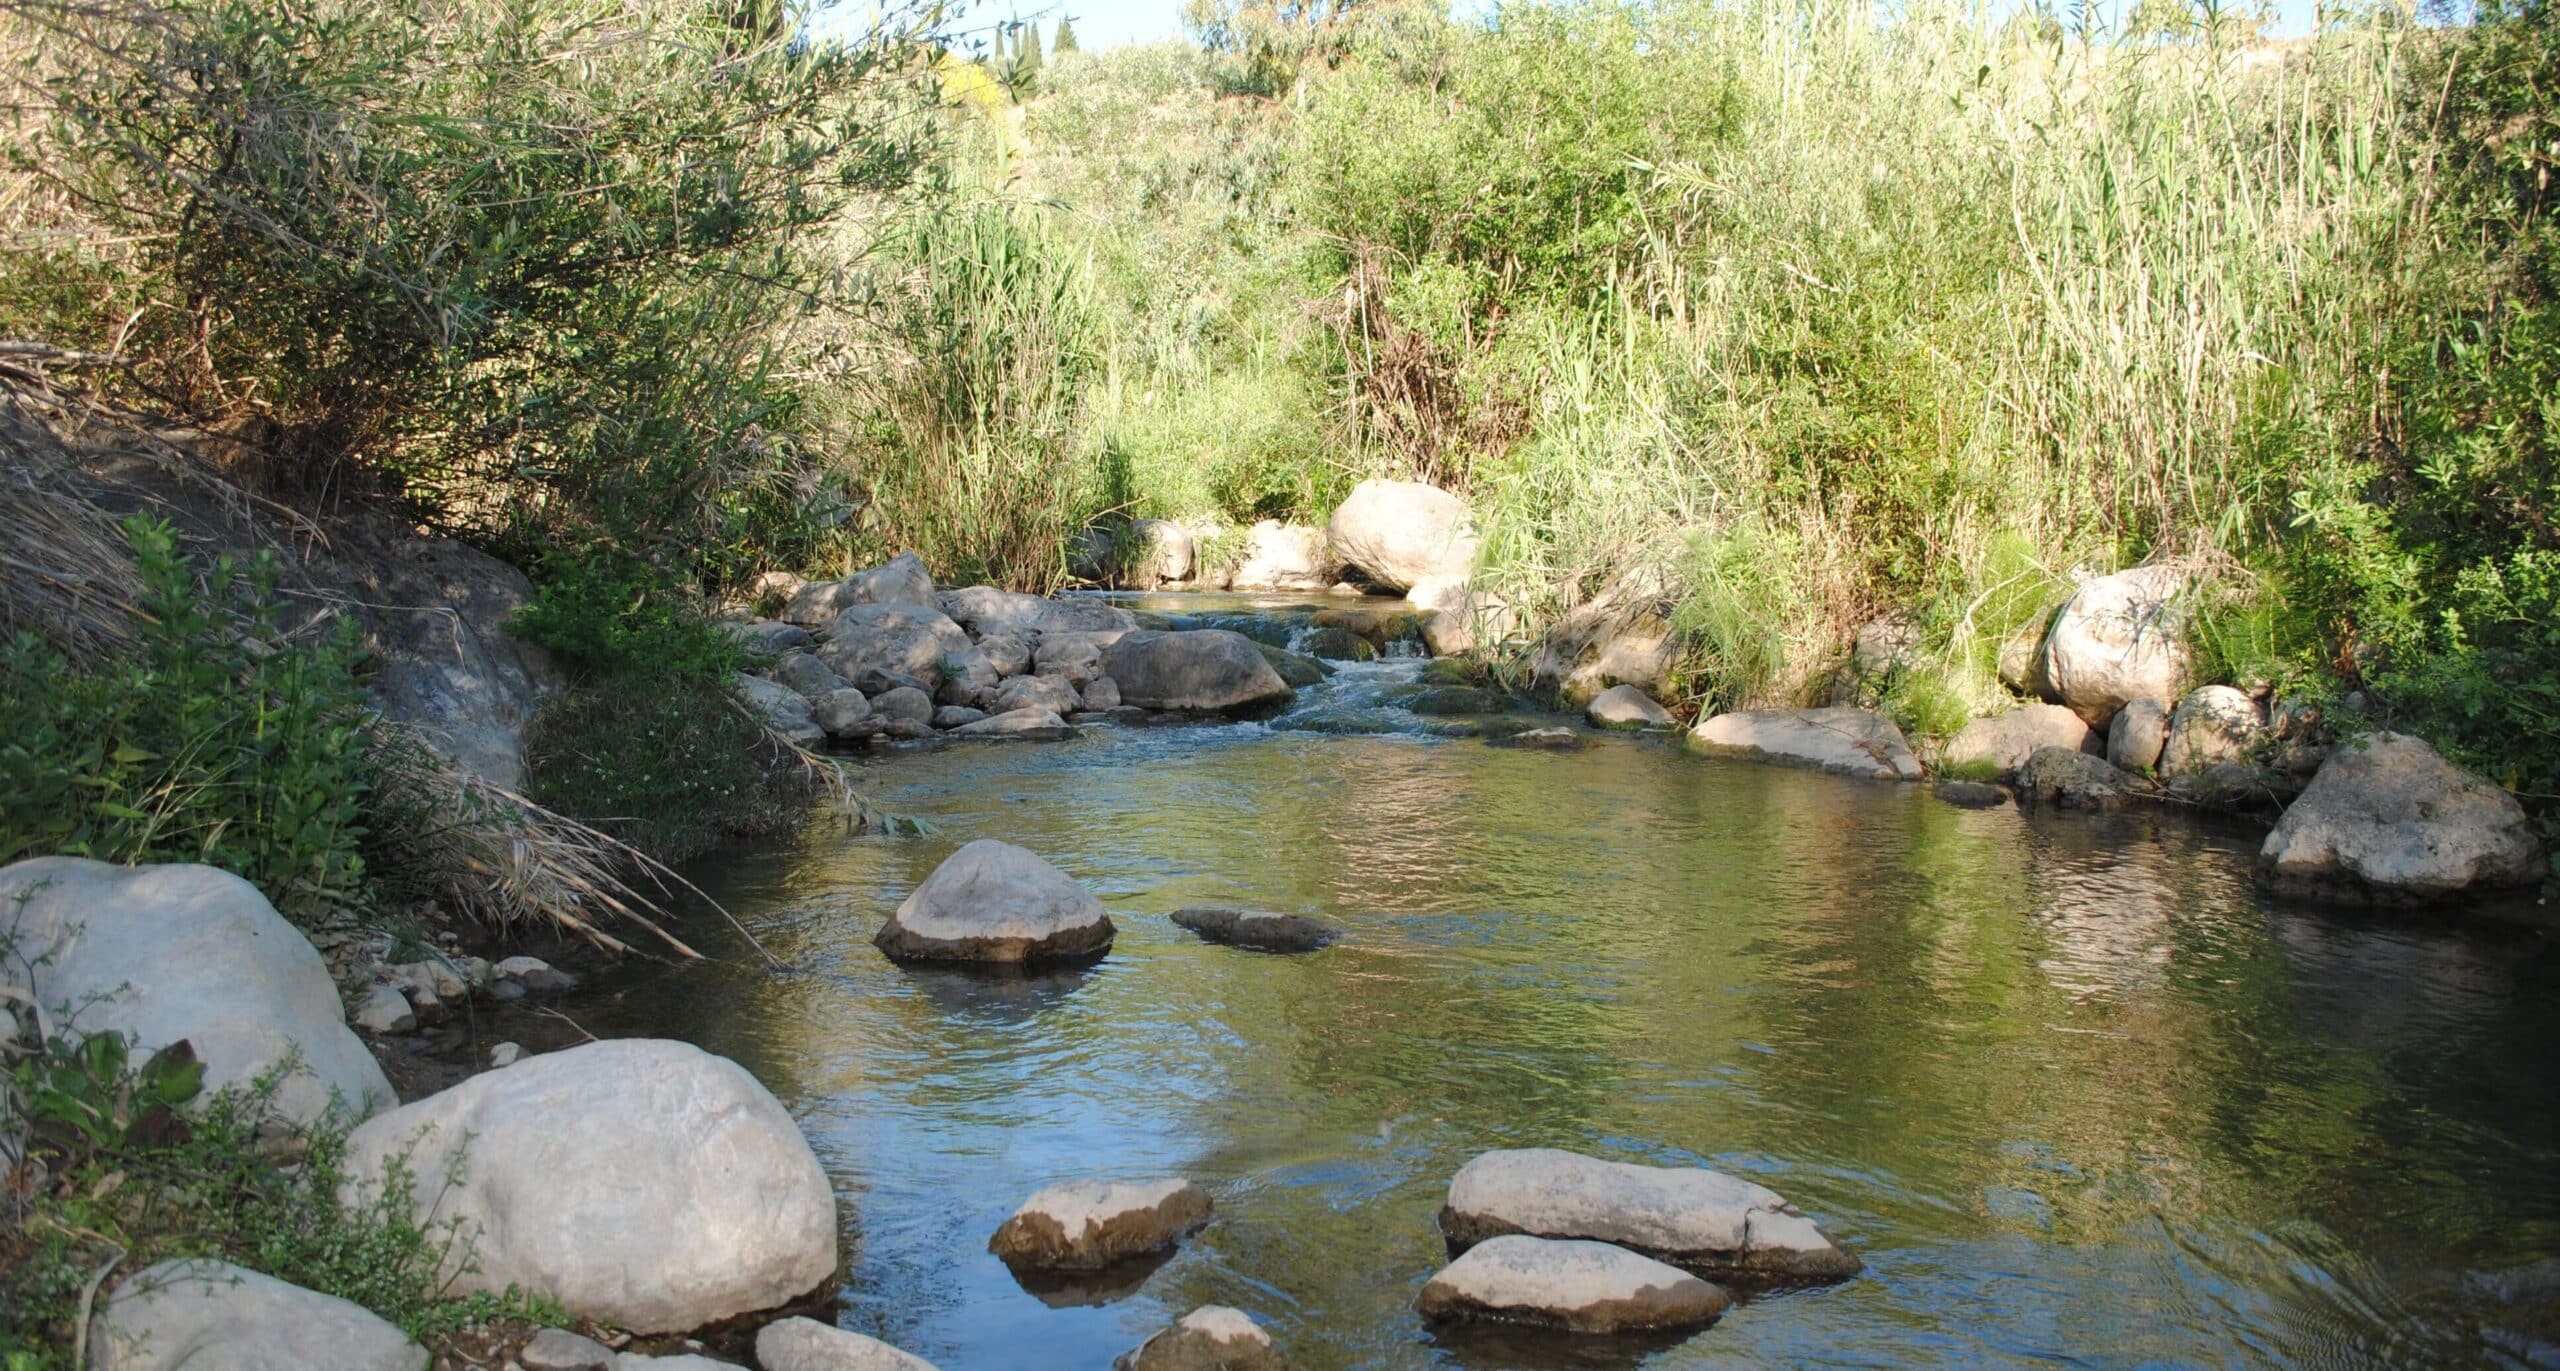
(1066, 39)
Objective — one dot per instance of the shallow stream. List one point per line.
(2070, 1088)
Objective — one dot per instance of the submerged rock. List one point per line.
(1701, 1220)
(642, 1182)
(1624, 706)
(1203, 669)
(1541, 739)
(1441, 701)
(1971, 794)
(797, 1344)
(1837, 739)
(184, 953)
(1086, 1225)
(1579, 1287)
(1295, 668)
(1261, 930)
(2120, 638)
(1212, 1337)
(993, 902)
(1401, 533)
(201, 1315)
(2003, 742)
(2389, 821)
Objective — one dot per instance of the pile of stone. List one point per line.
(1554, 1239)
(882, 654)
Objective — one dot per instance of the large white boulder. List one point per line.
(1203, 669)
(641, 1182)
(2003, 742)
(1088, 1225)
(797, 1344)
(165, 953)
(2120, 638)
(202, 1315)
(1837, 739)
(993, 902)
(2388, 821)
(1579, 1287)
(1283, 557)
(1402, 533)
(1704, 1221)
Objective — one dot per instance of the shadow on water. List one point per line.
(2069, 1088)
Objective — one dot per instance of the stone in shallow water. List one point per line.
(1087, 1225)
(1837, 739)
(1541, 739)
(2389, 821)
(807, 1345)
(1702, 1220)
(993, 902)
(2003, 742)
(1624, 706)
(1212, 1337)
(1261, 930)
(1206, 669)
(1581, 1287)
(2072, 779)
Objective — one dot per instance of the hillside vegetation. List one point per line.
(1788, 314)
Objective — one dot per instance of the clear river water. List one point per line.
(2075, 1093)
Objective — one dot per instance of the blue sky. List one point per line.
(1105, 23)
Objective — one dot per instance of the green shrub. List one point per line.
(670, 765)
(216, 740)
(530, 267)
(127, 1165)
(650, 744)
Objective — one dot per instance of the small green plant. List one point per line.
(605, 613)
(218, 739)
(128, 1162)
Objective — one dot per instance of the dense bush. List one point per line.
(529, 266)
(650, 744)
(216, 740)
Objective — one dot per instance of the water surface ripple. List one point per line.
(2075, 1094)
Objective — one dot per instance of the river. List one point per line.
(2071, 1089)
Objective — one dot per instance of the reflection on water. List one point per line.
(2069, 1090)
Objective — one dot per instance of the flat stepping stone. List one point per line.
(1088, 1225)
(993, 902)
(1260, 930)
(1568, 1284)
(1543, 739)
(1703, 1221)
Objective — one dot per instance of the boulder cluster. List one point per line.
(2114, 716)
(1559, 1240)
(639, 1183)
(883, 654)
